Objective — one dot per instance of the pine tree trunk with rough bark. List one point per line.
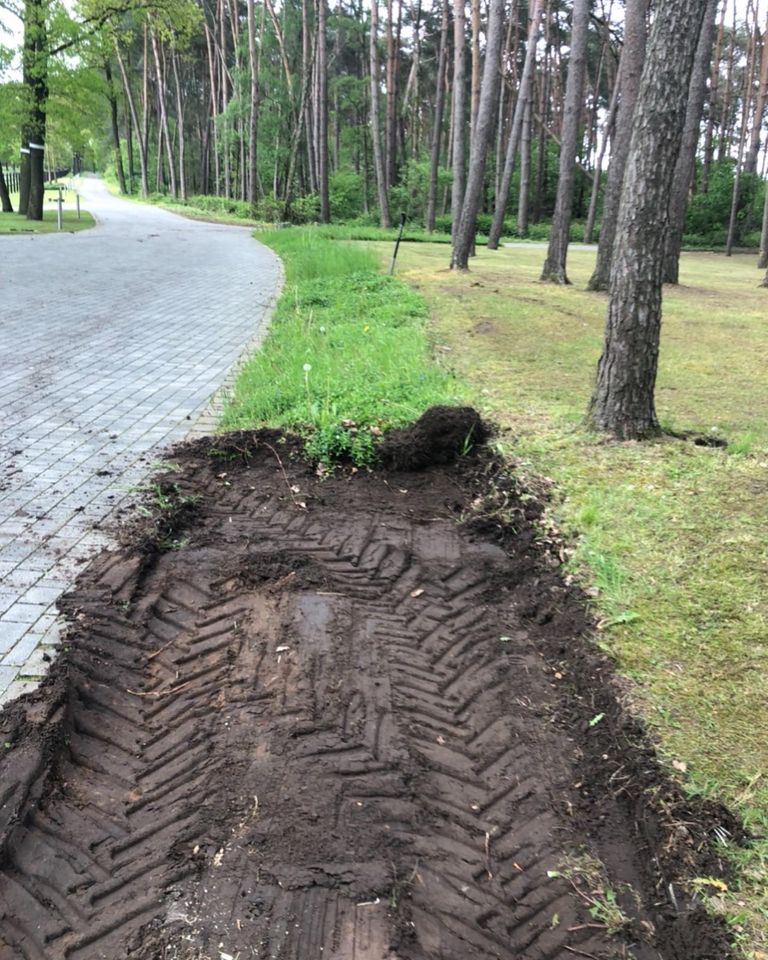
(630, 70)
(554, 266)
(322, 114)
(464, 235)
(686, 161)
(458, 110)
(524, 94)
(623, 399)
(378, 154)
(437, 125)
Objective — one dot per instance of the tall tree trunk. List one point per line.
(523, 200)
(145, 108)
(630, 71)
(210, 45)
(523, 96)
(131, 172)
(714, 103)
(162, 95)
(378, 156)
(474, 96)
(554, 265)
(501, 120)
(437, 125)
(391, 105)
(750, 164)
(623, 399)
(5, 197)
(608, 133)
(139, 128)
(541, 141)
(686, 161)
(763, 261)
(35, 80)
(745, 104)
(253, 106)
(180, 127)
(725, 115)
(322, 113)
(115, 128)
(464, 236)
(458, 111)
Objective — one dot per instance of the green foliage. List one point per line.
(346, 356)
(706, 223)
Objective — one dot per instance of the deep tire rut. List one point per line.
(305, 733)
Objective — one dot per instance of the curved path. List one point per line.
(112, 343)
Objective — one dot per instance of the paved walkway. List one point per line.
(112, 343)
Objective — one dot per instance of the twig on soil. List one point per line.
(151, 656)
(159, 693)
(581, 953)
(297, 503)
(488, 854)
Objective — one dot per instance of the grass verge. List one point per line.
(346, 356)
(12, 223)
(670, 538)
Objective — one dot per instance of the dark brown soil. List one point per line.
(344, 718)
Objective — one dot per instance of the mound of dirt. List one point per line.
(439, 436)
(326, 720)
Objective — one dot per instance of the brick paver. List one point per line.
(112, 344)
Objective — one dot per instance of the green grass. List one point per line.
(672, 537)
(12, 223)
(346, 355)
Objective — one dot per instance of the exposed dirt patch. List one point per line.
(350, 722)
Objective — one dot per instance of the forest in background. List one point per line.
(300, 111)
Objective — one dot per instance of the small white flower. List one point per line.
(307, 367)
(322, 329)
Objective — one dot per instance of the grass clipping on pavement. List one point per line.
(346, 356)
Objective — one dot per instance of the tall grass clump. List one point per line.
(346, 357)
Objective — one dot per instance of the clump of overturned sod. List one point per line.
(346, 356)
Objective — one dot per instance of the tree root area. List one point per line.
(354, 717)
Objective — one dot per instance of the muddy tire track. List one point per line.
(307, 732)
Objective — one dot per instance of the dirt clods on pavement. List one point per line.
(354, 718)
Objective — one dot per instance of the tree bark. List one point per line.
(745, 103)
(608, 133)
(458, 111)
(139, 129)
(378, 157)
(115, 127)
(523, 96)
(391, 104)
(686, 161)
(35, 80)
(253, 106)
(180, 126)
(474, 94)
(437, 125)
(554, 266)
(630, 71)
(322, 113)
(464, 235)
(714, 100)
(162, 94)
(5, 197)
(763, 261)
(623, 399)
(750, 164)
(525, 173)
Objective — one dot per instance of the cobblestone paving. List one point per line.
(112, 344)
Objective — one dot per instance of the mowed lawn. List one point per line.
(673, 536)
(12, 223)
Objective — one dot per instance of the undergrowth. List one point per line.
(346, 357)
